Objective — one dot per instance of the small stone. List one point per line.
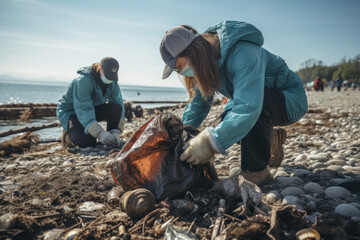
(290, 181)
(301, 172)
(280, 174)
(336, 192)
(7, 220)
(54, 234)
(300, 157)
(311, 205)
(347, 210)
(272, 196)
(313, 187)
(234, 171)
(294, 191)
(318, 158)
(290, 200)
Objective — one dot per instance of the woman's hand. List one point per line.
(199, 150)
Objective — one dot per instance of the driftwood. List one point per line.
(18, 144)
(25, 113)
(28, 129)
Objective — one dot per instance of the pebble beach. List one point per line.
(319, 175)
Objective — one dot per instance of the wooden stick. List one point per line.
(220, 214)
(28, 129)
(191, 225)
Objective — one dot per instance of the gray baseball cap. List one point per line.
(110, 68)
(176, 40)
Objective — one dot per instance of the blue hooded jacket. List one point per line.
(245, 70)
(82, 96)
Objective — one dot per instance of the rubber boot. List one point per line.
(65, 140)
(256, 177)
(278, 138)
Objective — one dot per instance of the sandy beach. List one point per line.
(43, 190)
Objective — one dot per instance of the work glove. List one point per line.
(121, 124)
(116, 133)
(200, 149)
(104, 137)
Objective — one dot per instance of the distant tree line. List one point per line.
(348, 68)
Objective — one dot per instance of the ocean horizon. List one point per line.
(44, 92)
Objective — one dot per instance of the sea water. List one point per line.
(39, 92)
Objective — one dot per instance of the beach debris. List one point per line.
(138, 111)
(185, 205)
(228, 187)
(18, 144)
(7, 220)
(27, 111)
(90, 207)
(72, 234)
(114, 195)
(218, 222)
(307, 234)
(174, 232)
(137, 203)
(150, 159)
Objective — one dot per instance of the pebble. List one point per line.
(7, 221)
(54, 234)
(290, 200)
(280, 174)
(337, 192)
(347, 210)
(273, 196)
(87, 207)
(234, 170)
(301, 172)
(290, 181)
(313, 187)
(294, 191)
(318, 158)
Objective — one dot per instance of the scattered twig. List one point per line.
(73, 226)
(191, 225)
(219, 216)
(28, 129)
(232, 217)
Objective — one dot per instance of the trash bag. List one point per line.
(151, 159)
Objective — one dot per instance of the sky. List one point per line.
(50, 40)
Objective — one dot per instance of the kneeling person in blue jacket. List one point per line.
(92, 97)
(262, 91)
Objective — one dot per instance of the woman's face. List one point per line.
(180, 63)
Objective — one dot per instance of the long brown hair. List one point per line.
(96, 66)
(202, 60)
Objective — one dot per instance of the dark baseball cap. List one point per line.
(176, 40)
(110, 68)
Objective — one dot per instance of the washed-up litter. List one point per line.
(137, 203)
(150, 159)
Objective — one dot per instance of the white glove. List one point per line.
(104, 137)
(121, 124)
(200, 149)
(116, 133)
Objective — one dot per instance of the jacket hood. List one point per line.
(84, 70)
(231, 32)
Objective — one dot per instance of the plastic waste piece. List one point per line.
(114, 195)
(151, 159)
(185, 205)
(174, 232)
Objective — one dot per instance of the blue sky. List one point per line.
(50, 40)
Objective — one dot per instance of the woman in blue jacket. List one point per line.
(262, 91)
(92, 97)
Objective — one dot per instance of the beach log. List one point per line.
(26, 113)
(28, 129)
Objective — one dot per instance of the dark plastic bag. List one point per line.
(151, 159)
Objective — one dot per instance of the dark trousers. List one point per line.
(256, 145)
(111, 112)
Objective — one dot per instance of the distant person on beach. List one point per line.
(93, 96)
(263, 92)
(318, 84)
(339, 81)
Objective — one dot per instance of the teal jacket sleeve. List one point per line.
(116, 97)
(83, 104)
(247, 66)
(196, 111)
